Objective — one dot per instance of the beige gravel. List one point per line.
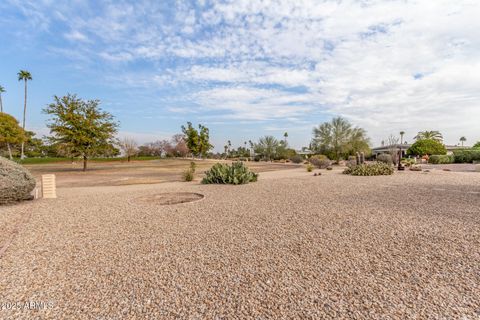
(289, 246)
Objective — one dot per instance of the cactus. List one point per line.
(237, 173)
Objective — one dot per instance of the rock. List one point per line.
(329, 168)
(16, 182)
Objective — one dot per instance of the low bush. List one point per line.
(320, 161)
(188, 175)
(408, 162)
(296, 159)
(385, 158)
(237, 173)
(370, 169)
(466, 155)
(193, 166)
(309, 167)
(441, 159)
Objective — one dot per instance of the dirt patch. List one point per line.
(171, 198)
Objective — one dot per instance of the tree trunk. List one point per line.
(1, 103)
(84, 163)
(128, 158)
(22, 156)
(9, 151)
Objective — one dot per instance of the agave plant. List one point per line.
(237, 173)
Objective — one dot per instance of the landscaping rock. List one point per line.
(16, 182)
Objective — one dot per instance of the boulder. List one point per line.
(16, 182)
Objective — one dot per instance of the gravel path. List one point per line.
(289, 246)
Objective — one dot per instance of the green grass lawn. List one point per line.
(47, 160)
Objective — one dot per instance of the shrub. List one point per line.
(309, 167)
(441, 159)
(408, 162)
(237, 173)
(426, 146)
(476, 145)
(466, 155)
(296, 159)
(188, 175)
(193, 165)
(320, 161)
(385, 158)
(370, 169)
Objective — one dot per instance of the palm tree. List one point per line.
(462, 140)
(24, 76)
(285, 136)
(267, 146)
(2, 90)
(402, 133)
(429, 135)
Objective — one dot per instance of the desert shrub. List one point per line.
(320, 161)
(441, 159)
(351, 161)
(237, 173)
(426, 146)
(193, 166)
(385, 158)
(188, 175)
(466, 155)
(415, 168)
(309, 167)
(296, 159)
(370, 169)
(476, 145)
(408, 162)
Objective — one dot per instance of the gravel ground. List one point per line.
(289, 246)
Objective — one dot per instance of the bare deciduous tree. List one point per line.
(129, 148)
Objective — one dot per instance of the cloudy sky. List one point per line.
(251, 68)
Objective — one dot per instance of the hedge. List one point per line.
(441, 159)
(466, 155)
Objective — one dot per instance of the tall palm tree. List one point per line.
(285, 136)
(429, 135)
(24, 76)
(402, 133)
(462, 140)
(2, 90)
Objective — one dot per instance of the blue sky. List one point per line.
(250, 68)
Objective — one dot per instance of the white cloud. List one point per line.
(385, 65)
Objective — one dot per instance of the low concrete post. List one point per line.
(49, 188)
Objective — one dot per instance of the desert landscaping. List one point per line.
(292, 245)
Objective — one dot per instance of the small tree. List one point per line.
(10, 131)
(129, 148)
(198, 141)
(476, 145)
(462, 140)
(81, 126)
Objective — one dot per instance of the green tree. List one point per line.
(198, 141)
(81, 126)
(338, 138)
(267, 147)
(462, 140)
(24, 76)
(429, 135)
(476, 145)
(10, 131)
(285, 136)
(426, 147)
(2, 90)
